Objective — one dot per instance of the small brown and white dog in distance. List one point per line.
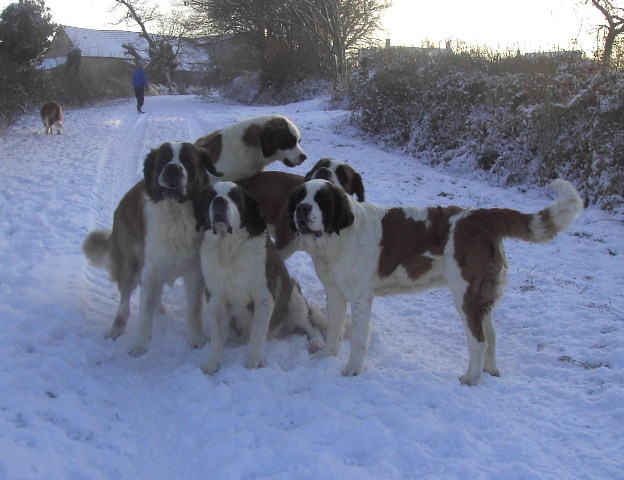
(52, 116)
(361, 250)
(153, 240)
(247, 146)
(271, 190)
(250, 294)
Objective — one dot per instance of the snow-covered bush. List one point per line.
(525, 119)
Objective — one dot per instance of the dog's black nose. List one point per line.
(302, 211)
(302, 157)
(219, 202)
(171, 174)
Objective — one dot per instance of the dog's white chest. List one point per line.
(171, 238)
(233, 270)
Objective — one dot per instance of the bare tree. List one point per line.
(253, 22)
(163, 46)
(340, 27)
(326, 33)
(613, 12)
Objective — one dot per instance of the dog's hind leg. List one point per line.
(128, 281)
(490, 353)
(474, 304)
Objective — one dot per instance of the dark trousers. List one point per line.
(139, 93)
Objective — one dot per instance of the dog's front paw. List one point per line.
(352, 370)
(253, 363)
(197, 341)
(466, 379)
(325, 352)
(210, 367)
(316, 345)
(137, 350)
(114, 333)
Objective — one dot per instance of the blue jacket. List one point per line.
(139, 79)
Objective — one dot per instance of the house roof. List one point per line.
(109, 44)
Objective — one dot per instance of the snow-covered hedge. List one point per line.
(524, 119)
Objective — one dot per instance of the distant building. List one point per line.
(102, 54)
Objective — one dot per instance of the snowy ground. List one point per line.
(75, 406)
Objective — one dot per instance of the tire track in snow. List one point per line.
(118, 160)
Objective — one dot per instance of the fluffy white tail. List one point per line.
(96, 248)
(558, 216)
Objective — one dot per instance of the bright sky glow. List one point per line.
(502, 25)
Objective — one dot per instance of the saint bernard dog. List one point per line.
(153, 240)
(246, 147)
(361, 250)
(52, 116)
(271, 190)
(250, 294)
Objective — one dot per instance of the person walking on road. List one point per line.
(139, 82)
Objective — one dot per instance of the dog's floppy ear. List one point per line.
(343, 215)
(149, 171)
(294, 198)
(212, 143)
(358, 186)
(206, 160)
(351, 181)
(272, 136)
(252, 220)
(149, 165)
(201, 209)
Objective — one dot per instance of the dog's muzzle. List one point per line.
(302, 216)
(173, 179)
(290, 163)
(219, 218)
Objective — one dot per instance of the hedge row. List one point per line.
(524, 119)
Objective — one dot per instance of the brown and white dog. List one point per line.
(246, 147)
(271, 190)
(248, 288)
(153, 240)
(52, 116)
(361, 250)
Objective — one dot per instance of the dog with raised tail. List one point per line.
(362, 250)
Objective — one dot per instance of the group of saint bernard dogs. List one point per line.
(207, 212)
